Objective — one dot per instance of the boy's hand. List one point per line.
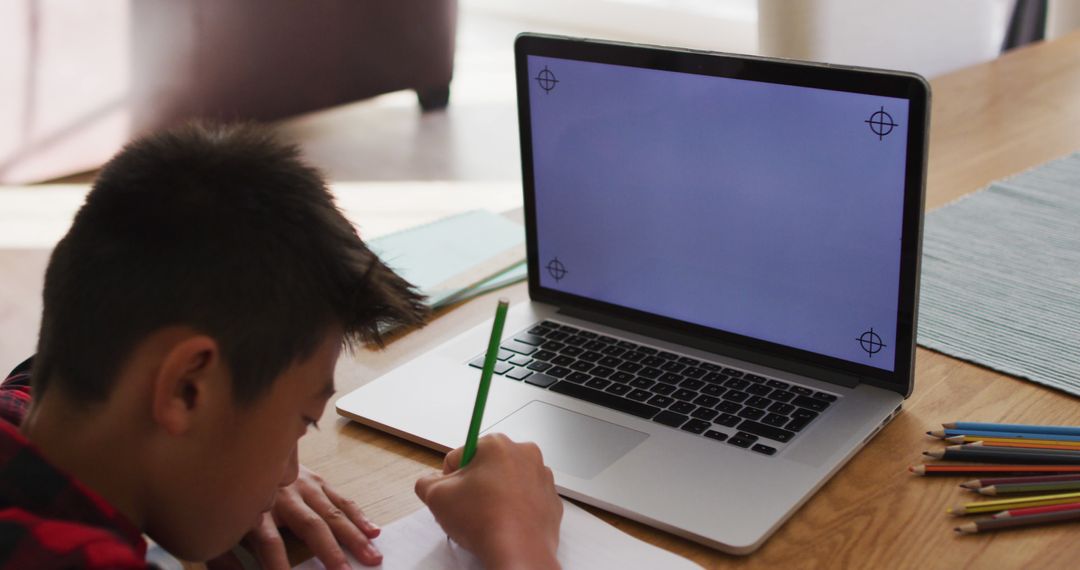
(320, 517)
(503, 506)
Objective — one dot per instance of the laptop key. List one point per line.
(740, 441)
(633, 356)
(728, 407)
(781, 408)
(727, 420)
(627, 345)
(803, 413)
(648, 351)
(705, 414)
(539, 330)
(558, 371)
(642, 383)
(520, 347)
(569, 329)
(540, 379)
(691, 384)
(572, 351)
(748, 436)
(652, 373)
(751, 413)
(539, 366)
(667, 355)
(682, 407)
(758, 402)
(529, 338)
(684, 394)
(503, 367)
(672, 366)
(670, 418)
(629, 367)
(717, 435)
(737, 383)
(639, 394)
(671, 378)
(617, 389)
(576, 340)
(558, 335)
(639, 409)
(810, 403)
(609, 361)
(665, 389)
(562, 360)
(606, 339)
(777, 384)
(519, 360)
(715, 377)
(612, 350)
(594, 345)
(799, 390)
(662, 401)
(654, 361)
(689, 361)
(709, 366)
(623, 377)
(736, 396)
(775, 420)
(543, 355)
(762, 448)
(582, 366)
(770, 432)
(601, 371)
(733, 372)
(782, 395)
(591, 356)
(696, 426)
(797, 424)
(579, 377)
(824, 396)
(693, 372)
(759, 389)
(553, 345)
(754, 378)
(587, 334)
(707, 401)
(518, 374)
(712, 390)
(598, 383)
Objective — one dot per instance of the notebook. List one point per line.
(722, 259)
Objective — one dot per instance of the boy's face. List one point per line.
(248, 453)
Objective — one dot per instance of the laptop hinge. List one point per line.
(722, 349)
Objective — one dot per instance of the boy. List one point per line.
(193, 315)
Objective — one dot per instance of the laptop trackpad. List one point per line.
(573, 443)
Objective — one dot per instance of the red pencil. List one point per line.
(941, 469)
(1037, 510)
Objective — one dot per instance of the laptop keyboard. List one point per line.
(704, 398)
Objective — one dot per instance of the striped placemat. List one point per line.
(1001, 276)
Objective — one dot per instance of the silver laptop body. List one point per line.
(732, 240)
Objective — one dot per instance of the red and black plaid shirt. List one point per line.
(47, 518)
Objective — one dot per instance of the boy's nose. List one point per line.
(292, 470)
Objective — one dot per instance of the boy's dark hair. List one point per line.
(223, 229)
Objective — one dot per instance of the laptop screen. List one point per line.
(765, 210)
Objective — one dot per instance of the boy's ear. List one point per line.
(182, 382)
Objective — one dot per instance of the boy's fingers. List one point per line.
(424, 485)
(452, 460)
(345, 531)
(266, 541)
(354, 512)
(311, 528)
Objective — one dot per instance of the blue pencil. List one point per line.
(1017, 435)
(1016, 428)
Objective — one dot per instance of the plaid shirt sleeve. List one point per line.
(15, 394)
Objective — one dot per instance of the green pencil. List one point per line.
(485, 382)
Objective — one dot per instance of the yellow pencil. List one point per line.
(1019, 502)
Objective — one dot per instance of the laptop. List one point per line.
(723, 257)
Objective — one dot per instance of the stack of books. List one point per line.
(1034, 469)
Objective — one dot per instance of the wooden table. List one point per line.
(988, 122)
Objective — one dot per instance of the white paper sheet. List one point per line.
(585, 542)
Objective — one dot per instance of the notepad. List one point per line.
(585, 541)
(458, 257)
(1001, 276)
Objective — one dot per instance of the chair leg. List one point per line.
(434, 98)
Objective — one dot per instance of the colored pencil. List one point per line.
(1020, 450)
(1016, 428)
(1004, 504)
(990, 456)
(1036, 510)
(939, 469)
(1051, 486)
(1016, 522)
(1001, 440)
(472, 437)
(1025, 445)
(980, 483)
(942, 434)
